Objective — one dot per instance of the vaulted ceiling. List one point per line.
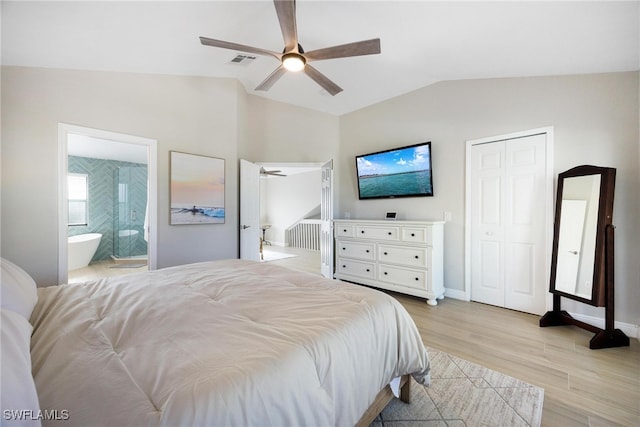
(422, 42)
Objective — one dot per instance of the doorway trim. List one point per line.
(549, 200)
(64, 130)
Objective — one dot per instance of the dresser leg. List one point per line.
(432, 302)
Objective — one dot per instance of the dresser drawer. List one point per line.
(402, 276)
(344, 230)
(409, 256)
(356, 268)
(416, 235)
(400, 256)
(355, 250)
(377, 232)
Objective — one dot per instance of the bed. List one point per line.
(219, 343)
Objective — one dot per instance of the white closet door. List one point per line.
(526, 284)
(508, 220)
(487, 223)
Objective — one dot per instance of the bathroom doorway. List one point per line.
(107, 207)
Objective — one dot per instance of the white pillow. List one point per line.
(19, 291)
(20, 405)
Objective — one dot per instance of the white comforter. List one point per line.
(219, 344)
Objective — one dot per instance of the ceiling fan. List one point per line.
(293, 57)
(263, 171)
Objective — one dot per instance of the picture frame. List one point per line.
(197, 189)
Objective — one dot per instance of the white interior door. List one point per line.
(249, 211)
(487, 223)
(526, 279)
(572, 216)
(326, 219)
(509, 202)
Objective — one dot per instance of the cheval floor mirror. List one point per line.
(582, 258)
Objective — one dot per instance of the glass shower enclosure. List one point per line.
(129, 216)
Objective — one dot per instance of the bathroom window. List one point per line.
(77, 195)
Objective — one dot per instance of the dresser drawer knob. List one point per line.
(413, 234)
(368, 270)
(417, 257)
(385, 253)
(362, 231)
(417, 278)
(389, 233)
(385, 273)
(367, 250)
(344, 231)
(344, 266)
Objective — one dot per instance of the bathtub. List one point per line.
(82, 248)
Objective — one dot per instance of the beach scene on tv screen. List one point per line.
(395, 173)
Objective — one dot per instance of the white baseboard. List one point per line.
(632, 331)
(455, 294)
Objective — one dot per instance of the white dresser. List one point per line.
(401, 256)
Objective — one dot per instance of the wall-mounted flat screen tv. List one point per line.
(398, 172)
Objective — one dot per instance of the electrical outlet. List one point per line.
(447, 216)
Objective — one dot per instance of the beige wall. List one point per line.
(286, 200)
(189, 114)
(207, 116)
(279, 132)
(595, 118)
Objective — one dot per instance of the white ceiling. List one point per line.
(422, 42)
(98, 148)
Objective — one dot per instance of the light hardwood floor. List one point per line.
(100, 269)
(582, 387)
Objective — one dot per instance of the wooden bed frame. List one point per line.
(383, 398)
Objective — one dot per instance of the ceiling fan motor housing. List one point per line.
(293, 61)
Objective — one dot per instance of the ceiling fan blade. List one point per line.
(273, 77)
(365, 47)
(322, 80)
(286, 10)
(240, 47)
(263, 171)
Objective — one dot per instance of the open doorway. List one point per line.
(107, 193)
(289, 215)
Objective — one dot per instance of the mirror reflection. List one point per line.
(577, 235)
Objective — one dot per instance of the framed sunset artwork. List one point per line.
(196, 189)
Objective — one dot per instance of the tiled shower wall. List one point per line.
(102, 196)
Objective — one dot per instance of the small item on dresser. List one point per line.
(391, 215)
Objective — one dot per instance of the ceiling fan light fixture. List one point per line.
(293, 61)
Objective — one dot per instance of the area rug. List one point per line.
(465, 394)
(272, 256)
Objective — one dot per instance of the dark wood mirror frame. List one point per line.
(602, 289)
